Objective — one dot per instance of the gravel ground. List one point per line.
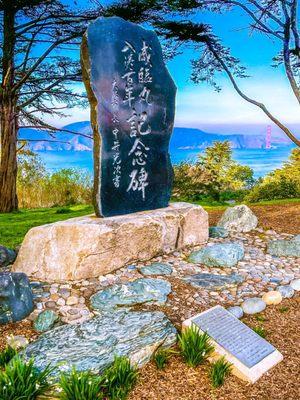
(179, 382)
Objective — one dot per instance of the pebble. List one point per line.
(295, 284)
(253, 306)
(236, 311)
(286, 291)
(272, 298)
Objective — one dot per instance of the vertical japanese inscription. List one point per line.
(137, 74)
(132, 100)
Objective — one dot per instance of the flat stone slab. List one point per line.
(214, 281)
(88, 247)
(286, 248)
(140, 291)
(219, 255)
(93, 344)
(250, 355)
(157, 269)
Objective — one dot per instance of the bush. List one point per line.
(6, 355)
(161, 357)
(119, 379)
(283, 183)
(81, 385)
(214, 175)
(260, 330)
(39, 188)
(220, 369)
(20, 380)
(194, 346)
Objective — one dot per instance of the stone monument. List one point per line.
(250, 355)
(132, 97)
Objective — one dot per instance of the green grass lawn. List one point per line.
(13, 227)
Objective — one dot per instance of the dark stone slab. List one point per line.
(16, 300)
(214, 281)
(132, 98)
(234, 336)
(7, 256)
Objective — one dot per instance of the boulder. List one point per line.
(45, 321)
(218, 255)
(214, 281)
(272, 297)
(93, 344)
(237, 311)
(286, 248)
(16, 299)
(7, 256)
(144, 290)
(88, 247)
(253, 306)
(286, 291)
(156, 269)
(218, 232)
(238, 218)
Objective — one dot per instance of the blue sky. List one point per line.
(200, 106)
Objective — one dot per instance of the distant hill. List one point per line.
(182, 138)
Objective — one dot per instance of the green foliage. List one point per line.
(119, 378)
(213, 175)
(6, 355)
(38, 188)
(260, 318)
(282, 183)
(194, 346)
(283, 309)
(20, 380)
(81, 386)
(63, 210)
(260, 330)
(161, 357)
(220, 369)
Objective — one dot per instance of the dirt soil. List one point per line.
(179, 382)
(284, 218)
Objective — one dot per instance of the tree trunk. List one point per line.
(8, 158)
(8, 116)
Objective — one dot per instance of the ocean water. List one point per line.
(262, 161)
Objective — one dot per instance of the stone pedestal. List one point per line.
(88, 247)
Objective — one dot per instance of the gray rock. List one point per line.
(214, 281)
(157, 269)
(295, 284)
(253, 306)
(218, 255)
(144, 290)
(93, 344)
(7, 256)
(286, 248)
(286, 291)
(16, 300)
(237, 311)
(45, 321)
(238, 218)
(218, 232)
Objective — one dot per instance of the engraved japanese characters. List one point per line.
(132, 97)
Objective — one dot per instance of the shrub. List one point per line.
(260, 331)
(282, 183)
(214, 173)
(119, 378)
(6, 355)
(161, 357)
(21, 380)
(194, 346)
(220, 369)
(81, 385)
